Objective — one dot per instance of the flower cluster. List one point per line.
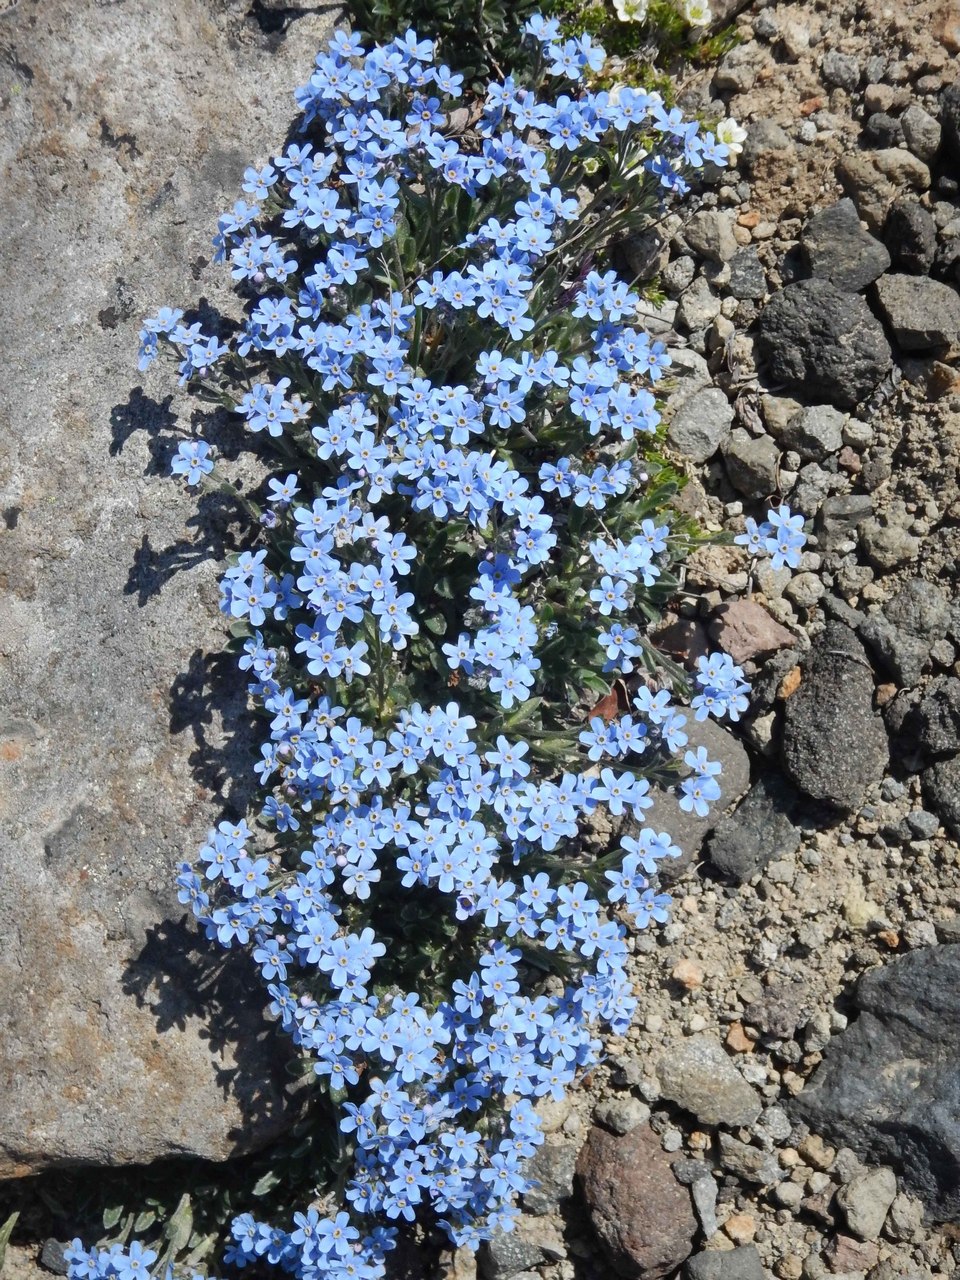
(476, 528)
(780, 537)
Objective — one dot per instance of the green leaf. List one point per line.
(266, 1183)
(6, 1231)
(179, 1228)
(144, 1220)
(112, 1216)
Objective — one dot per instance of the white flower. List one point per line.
(697, 13)
(731, 135)
(631, 10)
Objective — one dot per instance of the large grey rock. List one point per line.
(748, 280)
(752, 463)
(825, 343)
(122, 1036)
(742, 1263)
(815, 432)
(910, 234)
(701, 424)
(922, 314)
(841, 70)
(834, 743)
(758, 831)
(710, 234)
(698, 1075)
(889, 1086)
(866, 1200)
(839, 517)
(922, 133)
(903, 633)
(935, 723)
(941, 792)
(836, 248)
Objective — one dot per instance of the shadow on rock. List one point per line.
(182, 978)
(140, 413)
(208, 696)
(217, 522)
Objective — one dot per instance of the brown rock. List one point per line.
(642, 1216)
(738, 1040)
(946, 27)
(740, 1227)
(682, 639)
(688, 973)
(817, 1153)
(745, 630)
(790, 683)
(844, 1254)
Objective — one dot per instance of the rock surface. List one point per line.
(889, 1086)
(758, 831)
(834, 744)
(698, 1075)
(641, 1214)
(729, 1264)
(126, 129)
(922, 314)
(836, 248)
(825, 343)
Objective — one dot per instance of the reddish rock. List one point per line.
(745, 630)
(682, 639)
(844, 1254)
(643, 1217)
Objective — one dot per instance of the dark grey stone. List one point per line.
(946, 265)
(935, 723)
(52, 1256)
(941, 792)
(687, 830)
(840, 70)
(950, 119)
(757, 832)
(747, 277)
(883, 130)
(507, 1254)
(750, 1163)
(742, 1263)
(840, 515)
(752, 463)
(923, 824)
(551, 1168)
(903, 633)
(922, 133)
(123, 1037)
(836, 248)
(822, 342)
(889, 1085)
(815, 432)
(834, 743)
(910, 234)
(923, 314)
